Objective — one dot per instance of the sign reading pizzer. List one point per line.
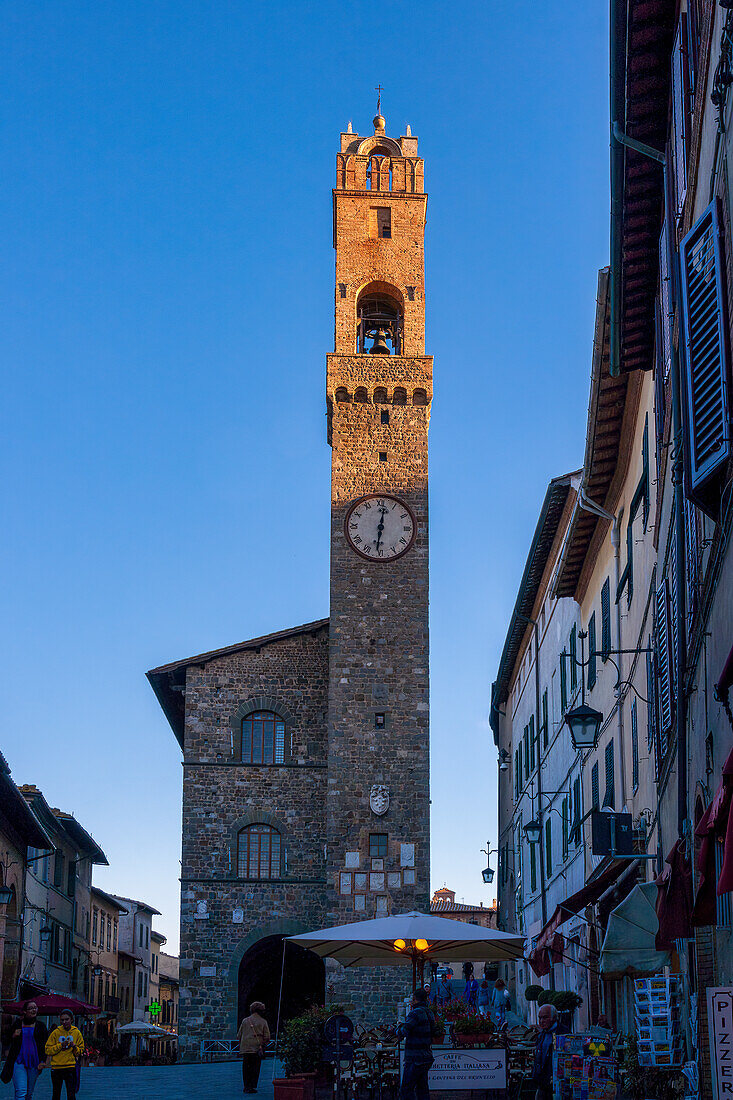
(720, 1024)
(468, 1069)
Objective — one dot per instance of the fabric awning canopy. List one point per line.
(547, 942)
(50, 1004)
(371, 942)
(629, 946)
(674, 898)
(142, 1027)
(714, 828)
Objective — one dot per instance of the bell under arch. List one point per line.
(379, 320)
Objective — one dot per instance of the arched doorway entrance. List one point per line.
(259, 979)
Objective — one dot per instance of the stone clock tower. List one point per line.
(379, 391)
(306, 796)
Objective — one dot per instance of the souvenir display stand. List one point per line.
(658, 1030)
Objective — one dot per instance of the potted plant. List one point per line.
(439, 1033)
(532, 992)
(472, 1030)
(301, 1048)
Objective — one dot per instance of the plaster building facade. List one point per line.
(56, 912)
(103, 953)
(134, 939)
(306, 759)
(646, 562)
(20, 832)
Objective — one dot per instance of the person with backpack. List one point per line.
(418, 1030)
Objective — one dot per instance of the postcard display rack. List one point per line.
(658, 1034)
(584, 1068)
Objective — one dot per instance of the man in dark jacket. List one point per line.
(542, 1068)
(417, 1031)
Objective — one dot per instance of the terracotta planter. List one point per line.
(302, 1087)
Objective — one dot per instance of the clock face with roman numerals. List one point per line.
(380, 528)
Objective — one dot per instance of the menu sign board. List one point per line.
(720, 1023)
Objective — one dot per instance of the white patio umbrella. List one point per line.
(142, 1027)
(408, 938)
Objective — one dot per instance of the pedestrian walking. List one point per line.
(253, 1035)
(445, 992)
(471, 993)
(542, 1067)
(27, 1053)
(500, 1002)
(417, 1030)
(484, 999)
(64, 1048)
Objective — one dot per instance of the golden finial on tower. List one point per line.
(379, 123)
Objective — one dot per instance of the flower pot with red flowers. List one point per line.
(472, 1030)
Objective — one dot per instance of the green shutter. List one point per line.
(565, 828)
(532, 868)
(545, 726)
(573, 658)
(548, 848)
(563, 683)
(609, 796)
(592, 673)
(606, 619)
(577, 810)
(634, 746)
(531, 741)
(595, 787)
(707, 400)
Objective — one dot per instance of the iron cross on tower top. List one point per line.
(379, 89)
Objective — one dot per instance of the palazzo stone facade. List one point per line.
(306, 752)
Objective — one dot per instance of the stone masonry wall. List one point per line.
(221, 794)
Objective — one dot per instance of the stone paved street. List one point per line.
(222, 1080)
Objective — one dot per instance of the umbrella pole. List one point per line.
(414, 972)
(279, 1004)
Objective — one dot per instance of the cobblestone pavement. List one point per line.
(222, 1080)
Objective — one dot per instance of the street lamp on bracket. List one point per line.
(488, 872)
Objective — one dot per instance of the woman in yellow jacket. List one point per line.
(64, 1048)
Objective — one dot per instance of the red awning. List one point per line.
(674, 899)
(715, 827)
(547, 941)
(50, 1004)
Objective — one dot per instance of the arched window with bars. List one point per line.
(259, 852)
(263, 738)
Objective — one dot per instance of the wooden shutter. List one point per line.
(706, 365)
(563, 683)
(595, 787)
(548, 848)
(691, 562)
(591, 651)
(651, 694)
(526, 752)
(532, 868)
(606, 619)
(573, 659)
(545, 726)
(663, 663)
(577, 810)
(680, 107)
(634, 746)
(531, 741)
(565, 828)
(609, 795)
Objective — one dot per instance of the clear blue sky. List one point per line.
(167, 300)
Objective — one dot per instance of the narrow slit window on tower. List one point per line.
(384, 416)
(382, 456)
(410, 293)
(380, 222)
(342, 290)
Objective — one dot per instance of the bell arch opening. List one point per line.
(379, 320)
(259, 980)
